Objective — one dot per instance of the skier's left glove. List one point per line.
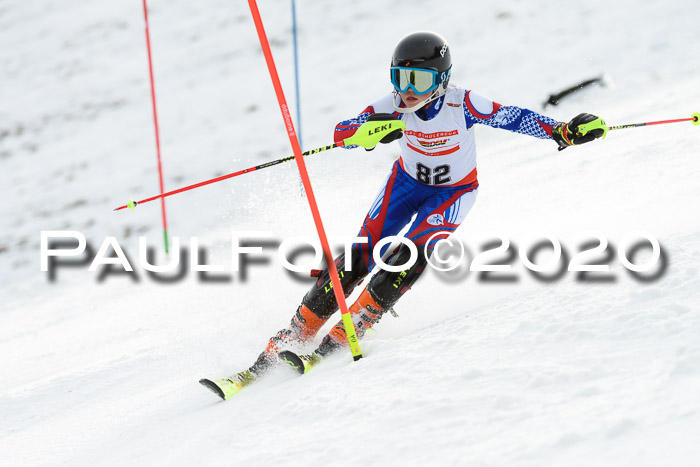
(583, 128)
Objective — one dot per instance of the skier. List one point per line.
(434, 178)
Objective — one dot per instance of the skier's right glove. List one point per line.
(378, 128)
(385, 117)
(574, 132)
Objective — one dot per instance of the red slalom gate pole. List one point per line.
(335, 280)
(155, 123)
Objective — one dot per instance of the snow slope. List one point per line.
(567, 372)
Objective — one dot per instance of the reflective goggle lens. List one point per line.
(422, 81)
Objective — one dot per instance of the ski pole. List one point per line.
(132, 204)
(367, 135)
(599, 124)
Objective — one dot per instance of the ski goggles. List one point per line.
(422, 81)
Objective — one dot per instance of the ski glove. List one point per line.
(570, 134)
(385, 117)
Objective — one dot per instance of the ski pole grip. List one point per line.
(597, 124)
(369, 134)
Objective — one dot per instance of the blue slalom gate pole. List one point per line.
(296, 80)
(296, 71)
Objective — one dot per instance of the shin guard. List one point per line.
(381, 294)
(317, 306)
(320, 298)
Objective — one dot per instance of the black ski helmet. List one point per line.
(427, 50)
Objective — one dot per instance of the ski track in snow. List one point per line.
(526, 373)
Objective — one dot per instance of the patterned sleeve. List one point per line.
(479, 109)
(347, 128)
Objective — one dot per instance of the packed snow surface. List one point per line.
(599, 369)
